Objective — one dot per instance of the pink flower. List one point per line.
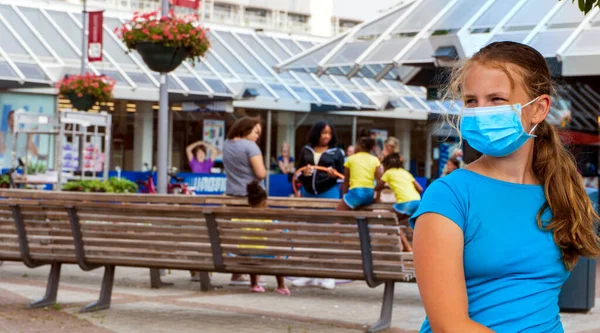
(146, 31)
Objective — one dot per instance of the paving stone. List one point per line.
(134, 318)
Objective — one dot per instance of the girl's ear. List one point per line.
(540, 109)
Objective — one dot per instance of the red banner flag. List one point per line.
(193, 4)
(95, 33)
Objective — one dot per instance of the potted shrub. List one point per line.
(113, 185)
(164, 42)
(122, 185)
(4, 181)
(84, 91)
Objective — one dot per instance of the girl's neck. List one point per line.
(515, 168)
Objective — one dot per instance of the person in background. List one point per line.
(199, 160)
(285, 162)
(391, 145)
(257, 198)
(361, 172)
(243, 162)
(321, 150)
(523, 194)
(24, 142)
(349, 152)
(452, 164)
(376, 150)
(406, 189)
(457, 155)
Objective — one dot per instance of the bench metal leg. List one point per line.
(204, 281)
(155, 281)
(51, 288)
(385, 321)
(105, 292)
(205, 284)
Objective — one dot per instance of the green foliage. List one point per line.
(587, 5)
(4, 180)
(36, 168)
(113, 185)
(123, 185)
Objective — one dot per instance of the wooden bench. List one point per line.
(56, 228)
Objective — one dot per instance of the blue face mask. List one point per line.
(496, 130)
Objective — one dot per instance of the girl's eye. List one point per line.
(499, 99)
(470, 101)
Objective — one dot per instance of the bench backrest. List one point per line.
(46, 230)
(305, 242)
(141, 235)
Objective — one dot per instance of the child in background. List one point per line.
(406, 190)
(403, 184)
(257, 198)
(361, 171)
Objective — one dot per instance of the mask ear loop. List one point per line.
(531, 102)
(533, 128)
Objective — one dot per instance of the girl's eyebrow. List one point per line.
(492, 95)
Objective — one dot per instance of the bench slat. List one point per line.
(303, 244)
(309, 235)
(302, 226)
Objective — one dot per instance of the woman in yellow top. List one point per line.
(361, 171)
(403, 184)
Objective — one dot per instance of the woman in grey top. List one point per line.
(243, 162)
(242, 157)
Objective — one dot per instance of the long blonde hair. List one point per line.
(574, 221)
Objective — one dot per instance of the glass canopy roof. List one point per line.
(409, 35)
(39, 43)
(402, 42)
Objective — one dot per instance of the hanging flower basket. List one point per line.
(83, 102)
(161, 58)
(165, 42)
(84, 91)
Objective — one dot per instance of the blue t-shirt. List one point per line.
(513, 269)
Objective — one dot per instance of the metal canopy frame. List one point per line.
(217, 78)
(466, 37)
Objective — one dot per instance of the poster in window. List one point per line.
(214, 133)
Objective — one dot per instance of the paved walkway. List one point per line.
(182, 308)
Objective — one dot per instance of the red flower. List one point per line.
(146, 31)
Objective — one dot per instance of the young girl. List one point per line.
(494, 242)
(361, 171)
(197, 156)
(257, 198)
(402, 183)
